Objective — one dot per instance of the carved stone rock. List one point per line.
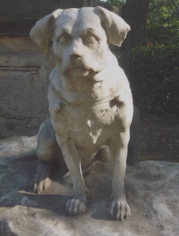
(152, 190)
(90, 100)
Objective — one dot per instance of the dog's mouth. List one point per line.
(79, 71)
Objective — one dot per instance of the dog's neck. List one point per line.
(85, 90)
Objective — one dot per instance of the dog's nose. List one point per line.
(75, 56)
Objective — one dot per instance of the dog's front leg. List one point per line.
(77, 205)
(119, 208)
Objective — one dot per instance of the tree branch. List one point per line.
(175, 6)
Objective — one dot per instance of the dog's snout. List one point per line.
(75, 56)
(76, 49)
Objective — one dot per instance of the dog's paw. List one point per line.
(120, 210)
(41, 180)
(75, 207)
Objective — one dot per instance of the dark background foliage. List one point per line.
(152, 65)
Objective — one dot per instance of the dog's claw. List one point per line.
(120, 210)
(75, 207)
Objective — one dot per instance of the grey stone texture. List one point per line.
(89, 96)
(24, 72)
(152, 191)
(24, 69)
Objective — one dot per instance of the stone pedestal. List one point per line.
(152, 190)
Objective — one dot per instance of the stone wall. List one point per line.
(24, 69)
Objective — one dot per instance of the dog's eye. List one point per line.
(88, 40)
(62, 39)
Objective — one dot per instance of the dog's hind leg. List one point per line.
(133, 155)
(49, 155)
(103, 155)
(119, 208)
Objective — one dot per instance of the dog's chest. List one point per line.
(87, 124)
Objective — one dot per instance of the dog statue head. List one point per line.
(80, 38)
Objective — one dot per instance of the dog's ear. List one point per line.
(43, 31)
(115, 27)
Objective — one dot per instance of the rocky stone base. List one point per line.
(152, 190)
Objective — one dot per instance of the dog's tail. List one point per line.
(28, 156)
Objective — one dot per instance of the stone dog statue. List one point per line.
(90, 101)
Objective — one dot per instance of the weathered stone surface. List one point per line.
(152, 191)
(89, 96)
(24, 69)
(24, 72)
